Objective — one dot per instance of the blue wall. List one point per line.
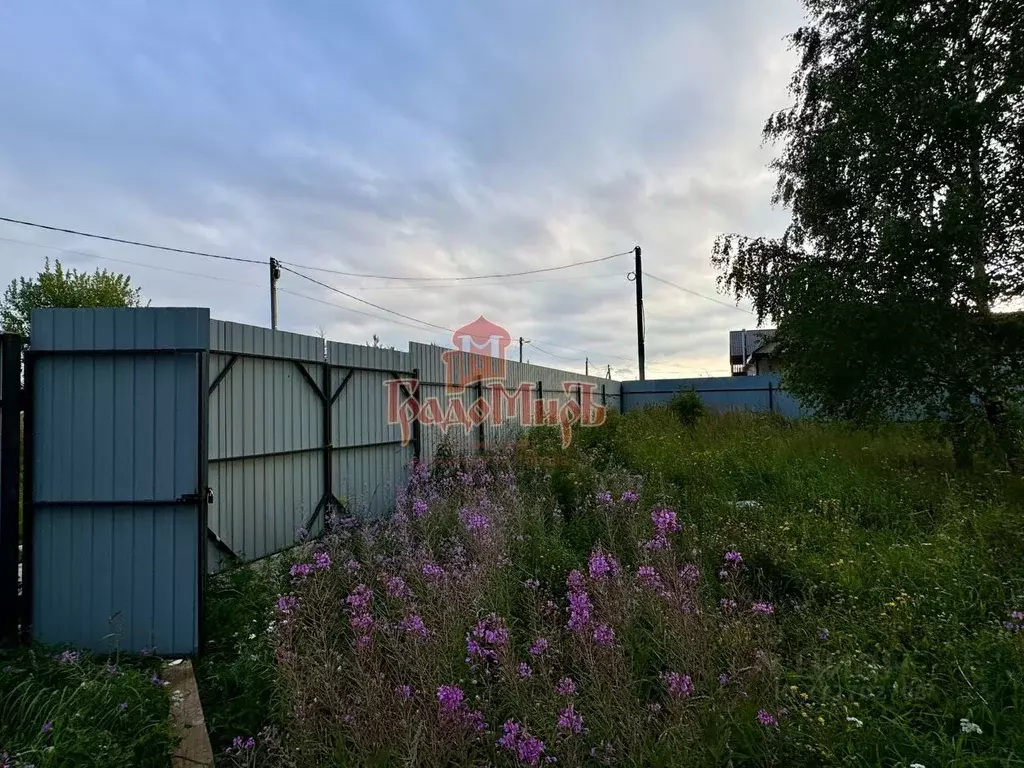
(726, 393)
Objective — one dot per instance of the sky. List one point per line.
(404, 138)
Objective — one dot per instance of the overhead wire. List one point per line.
(696, 293)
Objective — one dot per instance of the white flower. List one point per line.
(855, 721)
(917, 765)
(966, 726)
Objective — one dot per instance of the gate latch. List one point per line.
(193, 498)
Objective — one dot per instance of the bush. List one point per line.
(688, 407)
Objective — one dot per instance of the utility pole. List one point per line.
(275, 275)
(521, 342)
(586, 368)
(608, 375)
(639, 278)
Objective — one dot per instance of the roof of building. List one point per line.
(757, 340)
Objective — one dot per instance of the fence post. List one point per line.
(771, 399)
(579, 394)
(327, 438)
(539, 405)
(417, 426)
(10, 483)
(480, 435)
(604, 397)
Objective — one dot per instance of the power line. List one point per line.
(478, 285)
(167, 248)
(364, 301)
(695, 293)
(129, 242)
(462, 278)
(551, 354)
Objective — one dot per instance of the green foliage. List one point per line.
(899, 164)
(688, 407)
(82, 712)
(58, 287)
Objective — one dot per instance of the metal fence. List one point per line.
(727, 393)
(11, 404)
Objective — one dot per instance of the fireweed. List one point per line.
(437, 623)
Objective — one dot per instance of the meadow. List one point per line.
(707, 590)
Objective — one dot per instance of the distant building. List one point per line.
(751, 352)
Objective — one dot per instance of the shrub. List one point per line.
(688, 407)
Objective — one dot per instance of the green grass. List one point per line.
(891, 574)
(83, 712)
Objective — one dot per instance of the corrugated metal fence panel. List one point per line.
(117, 428)
(726, 393)
(266, 432)
(369, 461)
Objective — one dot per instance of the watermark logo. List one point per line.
(477, 364)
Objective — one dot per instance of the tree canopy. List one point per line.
(902, 167)
(59, 287)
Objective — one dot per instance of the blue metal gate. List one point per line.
(116, 493)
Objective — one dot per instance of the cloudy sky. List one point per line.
(405, 138)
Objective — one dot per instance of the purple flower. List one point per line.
(629, 496)
(579, 611)
(474, 520)
(648, 576)
(47, 726)
(287, 604)
(414, 625)
(451, 698)
(540, 645)
(604, 497)
(690, 573)
(727, 604)
(664, 520)
(763, 608)
(301, 533)
(766, 719)
(433, 572)
(419, 507)
(570, 720)
(68, 657)
(679, 686)
(575, 580)
(602, 565)
(527, 749)
(155, 680)
(403, 692)
(488, 637)
(396, 587)
(660, 541)
(723, 679)
(525, 671)
(565, 687)
(733, 558)
(823, 635)
(239, 744)
(531, 584)
(604, 635)
(301, 570)
(321, 561)
(352, 565)
(360, 597)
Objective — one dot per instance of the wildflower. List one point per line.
(352, 565)
(68, 657)
(414, 625)
(579, 610)
(629, 496)
(679, 686)
(47, 726)
(570, 720)
(734, 559)
(604, 635)
(301, 570)
(766, 719)
(527, 749)
(540, 645)
(488, 636)
(474, 520)
(664, 520)
(525, 671)
(532, 584)
(604, 497)
(855, 721)
(419, 507)
(690, 574)
(823, 635)
(575, 580)
(602, 565)
(396, 587)
(565, 687)
(287, 603)
(403, 692)
(433, 572)
(1016, 623)
(763, 608)
(451, 698)
(360, 597)
(966, 726)
(321, 561)
(649, 577)
(727, 604)
(301, 533)
(723, 679)
(155, 680)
